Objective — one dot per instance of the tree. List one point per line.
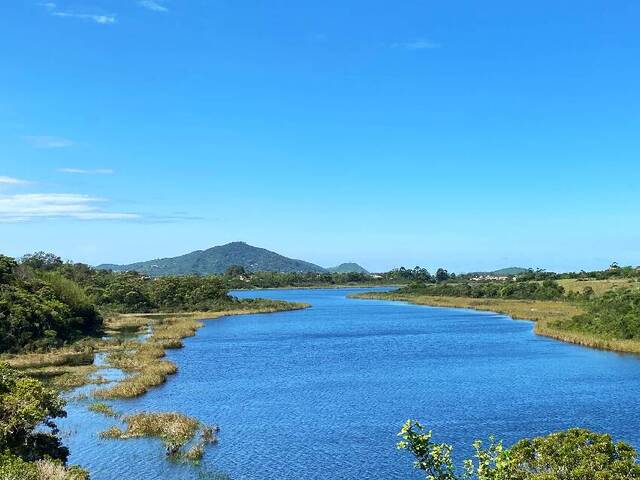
(421, 275)
(42, 261)
(7, 268)
(432, 458)
(29, 445)
(442, 275)
(25, 404)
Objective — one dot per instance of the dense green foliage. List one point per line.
(614, 271)
(575, 454)
(545, 290)
(25, 403)
(41, 308)
(615, 314)
(30, 448)
(217, 260)
(46, 303)
(134, 293)
(294, 279)
(416, 274)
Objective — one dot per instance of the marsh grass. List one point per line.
(49, 470)
(65, 378)
(143, 360)
(548, 315)
(125, 324)
(183, 437)
(64, 368)
(103, 409)
(77, 356)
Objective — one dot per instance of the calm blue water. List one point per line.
(321, 393)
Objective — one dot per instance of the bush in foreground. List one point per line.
(575, 454)
(27, 450)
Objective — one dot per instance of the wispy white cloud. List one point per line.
(48, 5)
(102, 19)
(420, 44)
(82, 171)
(45, 141)
(153, 5)
(38, 206)
(11, 181)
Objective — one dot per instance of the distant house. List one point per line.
(489, 278)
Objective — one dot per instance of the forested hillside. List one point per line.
(217, 260)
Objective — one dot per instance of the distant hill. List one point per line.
(510, 271)
(347, 268)
(217, 260)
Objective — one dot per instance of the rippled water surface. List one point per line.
(320, 393)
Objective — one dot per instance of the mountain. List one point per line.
(347, 268)
(510, 271)
(217, 260)
(503, 272)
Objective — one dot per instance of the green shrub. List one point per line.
(575, 454)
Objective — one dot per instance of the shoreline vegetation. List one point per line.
(136, 345)
(144, 362)
(549, 316)
(62, 325)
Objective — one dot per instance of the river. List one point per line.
(321, 393)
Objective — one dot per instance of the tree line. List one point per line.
(45, 302)
(545, 290)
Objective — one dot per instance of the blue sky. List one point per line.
(473, 135)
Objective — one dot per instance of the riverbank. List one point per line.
(135, 343)
(144, 361)
(322, 286)
(547, 315)
(126, 363)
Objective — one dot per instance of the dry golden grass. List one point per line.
(174, 429)
(598, 286)
(66, 378)
(143, 360)
(542, 311)
(171, 427)
(125, 323)
(48, 470)
(71, 367)
(548, 315)
(62, 369)
(77, 356)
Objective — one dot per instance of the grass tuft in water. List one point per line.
(183, 437)
(103, 408)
